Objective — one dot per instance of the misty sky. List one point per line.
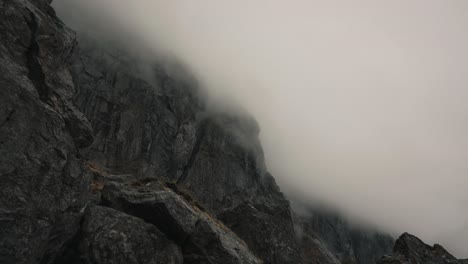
(363, 104)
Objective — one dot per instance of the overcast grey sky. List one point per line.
(362, 104)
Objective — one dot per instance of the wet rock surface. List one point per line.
(411, 250)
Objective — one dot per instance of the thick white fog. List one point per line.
(363, 105)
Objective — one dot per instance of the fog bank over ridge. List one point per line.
(362, 104)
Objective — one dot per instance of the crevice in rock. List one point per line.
(70, 254)
(201, 132)
(159, 217)
(36, 74)
(8, 117)
(191, 251)
(166, 100)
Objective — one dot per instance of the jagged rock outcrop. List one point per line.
(203, 239)
(109, 236)
(43, 183)
(411, 250)
(348, 244)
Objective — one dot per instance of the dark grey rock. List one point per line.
(43, 183)
(411, 250)
(202, 238)
(110, 236)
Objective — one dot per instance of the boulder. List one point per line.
(108, 236)
(203, 239)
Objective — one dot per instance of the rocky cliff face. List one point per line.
(141, 129)
(46, 213)
(161, 129)
(104, 164)
(411, 250)
(43, 181)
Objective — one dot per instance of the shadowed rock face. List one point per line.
(43, 183)
(411, 250)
